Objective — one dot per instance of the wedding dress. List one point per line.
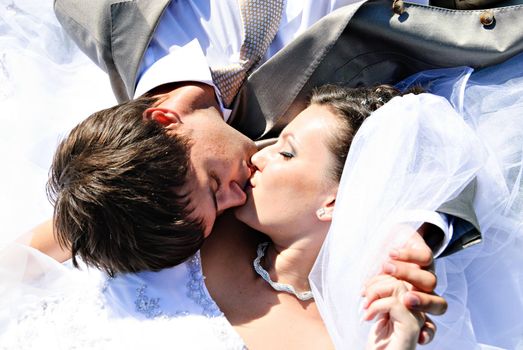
(417, 152)
(46, 305)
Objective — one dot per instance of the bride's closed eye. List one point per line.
(287, 155)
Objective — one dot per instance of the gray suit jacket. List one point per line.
(114, 34)
(353, 46)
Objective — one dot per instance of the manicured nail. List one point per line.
(389, 268)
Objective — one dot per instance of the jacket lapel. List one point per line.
(132, 26)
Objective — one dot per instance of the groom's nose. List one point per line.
(231, 195)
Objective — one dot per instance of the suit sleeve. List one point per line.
(463, 221)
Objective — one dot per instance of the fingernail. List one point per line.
(424, 338)
(389, 268)
(412, 300)
(394, 253)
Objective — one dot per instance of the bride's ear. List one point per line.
(325, 212)
(163, 116)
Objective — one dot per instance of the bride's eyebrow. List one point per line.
(289, 138)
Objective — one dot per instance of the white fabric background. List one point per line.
(46, 86)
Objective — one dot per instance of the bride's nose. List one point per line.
(259, 159)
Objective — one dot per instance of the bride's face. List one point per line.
(292, 180)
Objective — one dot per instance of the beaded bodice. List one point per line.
(175, 292)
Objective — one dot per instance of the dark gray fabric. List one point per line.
(469, 4)
(374, 46)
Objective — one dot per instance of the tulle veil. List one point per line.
(417, 152)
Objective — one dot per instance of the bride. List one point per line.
(414, 152)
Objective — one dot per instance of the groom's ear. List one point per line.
(163, 116)
(325, 212)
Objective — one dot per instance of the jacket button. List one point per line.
(486, 17)
(398, 7)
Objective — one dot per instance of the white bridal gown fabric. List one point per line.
(46, 305)
(417, 152)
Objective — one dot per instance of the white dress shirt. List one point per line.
(198, 34)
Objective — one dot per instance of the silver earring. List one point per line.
(321, 212)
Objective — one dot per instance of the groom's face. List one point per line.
(220, 162)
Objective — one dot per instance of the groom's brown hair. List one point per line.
(117, 184)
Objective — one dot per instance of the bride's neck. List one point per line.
(291, 264)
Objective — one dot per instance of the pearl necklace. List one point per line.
(281, 287)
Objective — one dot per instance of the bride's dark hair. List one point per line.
(353, 106)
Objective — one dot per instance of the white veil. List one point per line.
(417, 152)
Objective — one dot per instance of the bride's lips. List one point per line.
(248, 183)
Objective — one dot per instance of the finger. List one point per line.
(427, 332)
(382, 289)
(396, 310)
(381, 306)
(374, 280)
(429, 303)
(421, 279)
(419, 254)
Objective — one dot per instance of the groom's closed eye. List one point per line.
(213, 188)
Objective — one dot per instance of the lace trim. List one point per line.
(196, 289)
(150, 307)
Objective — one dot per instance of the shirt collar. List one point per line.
(182, 63)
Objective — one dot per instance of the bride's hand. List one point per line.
(413, 263)
(397, 327)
